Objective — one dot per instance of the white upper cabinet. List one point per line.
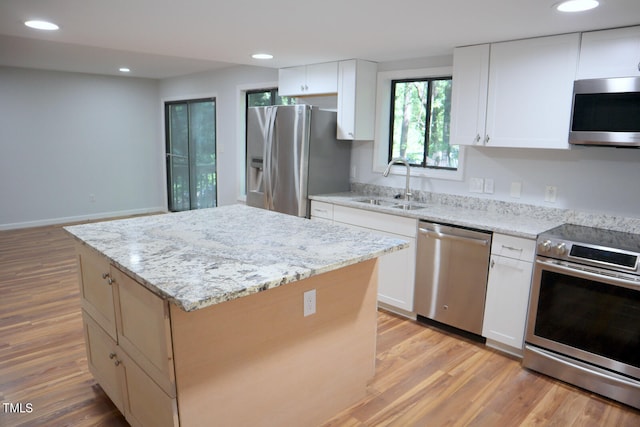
(610, 53)
(469, 94)
(527, 97)
(356, 99)
(316, 79)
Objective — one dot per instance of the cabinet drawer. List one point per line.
(321, 210)
(96, 288)
(102, 353)
(376, 220)
(513, 247)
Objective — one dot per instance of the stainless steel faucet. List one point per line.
(400, 160)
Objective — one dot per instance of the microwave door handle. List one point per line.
(589, 274)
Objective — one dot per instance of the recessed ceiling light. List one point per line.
(42, 25)
(124, 70)
(262, 56)
(577, 5)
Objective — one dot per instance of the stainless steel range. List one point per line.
(584, 312)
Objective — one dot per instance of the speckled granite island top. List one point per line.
(199, 258)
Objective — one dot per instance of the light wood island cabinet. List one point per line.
(199, 316)
(128, 340)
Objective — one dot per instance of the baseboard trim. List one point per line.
(81, 218)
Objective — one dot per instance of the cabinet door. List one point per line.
(144, 330)
(147, 405)
(292, 81)
(103, 360)
(530, 92)
(96, 288)
(469, 94)
(507, 300)
(395, 272)
(610, 53)
(322, 78)
(356, 99)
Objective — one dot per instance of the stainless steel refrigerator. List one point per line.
(292, 153)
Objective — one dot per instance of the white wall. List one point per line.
(77, 146)
(227, 86)
(590, 179)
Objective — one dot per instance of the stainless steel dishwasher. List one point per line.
(451, 275)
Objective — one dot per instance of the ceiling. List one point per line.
(166, 38)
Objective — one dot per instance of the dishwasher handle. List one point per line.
(447, 236)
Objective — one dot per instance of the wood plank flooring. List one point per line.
(424, 377)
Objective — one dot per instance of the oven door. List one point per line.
(586, 314)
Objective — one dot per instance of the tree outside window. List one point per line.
(420, 123)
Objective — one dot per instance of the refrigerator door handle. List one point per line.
(268, 157)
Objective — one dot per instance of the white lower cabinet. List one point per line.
(396, 271)
(507, 300)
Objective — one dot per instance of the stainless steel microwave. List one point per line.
(606, 112)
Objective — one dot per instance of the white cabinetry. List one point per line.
(128, 342)
(316, 79)
(508, 287)
(610, 53)
(356, 99)
(321, 211)
(469, 94)
(396, 271)
(527, 98)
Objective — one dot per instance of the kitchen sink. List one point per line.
(392, 204)
(408, 206)
(378, 202)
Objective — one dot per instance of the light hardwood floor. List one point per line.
(424, 377)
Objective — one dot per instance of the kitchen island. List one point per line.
(229, 316)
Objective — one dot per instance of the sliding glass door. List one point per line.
(191, 154)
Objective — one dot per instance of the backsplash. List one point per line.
(589, 219)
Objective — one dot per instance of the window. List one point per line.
(419, 123)
(262, 97)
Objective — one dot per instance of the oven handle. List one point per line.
(565, 362)
(588, 273)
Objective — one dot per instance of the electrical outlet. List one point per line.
(516, 189)
(550, 194)
(476, 185)
(488, 185)
(309, 302)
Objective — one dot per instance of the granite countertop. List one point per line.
(521, 224)
(199, 258)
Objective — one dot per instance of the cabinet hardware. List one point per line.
(477, 139)
(112, 355)
(105, 275)
(486, 139)
(493, 263)
(117, 362)
(511, 248)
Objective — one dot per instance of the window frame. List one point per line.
(425, 151)
(383, 128)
